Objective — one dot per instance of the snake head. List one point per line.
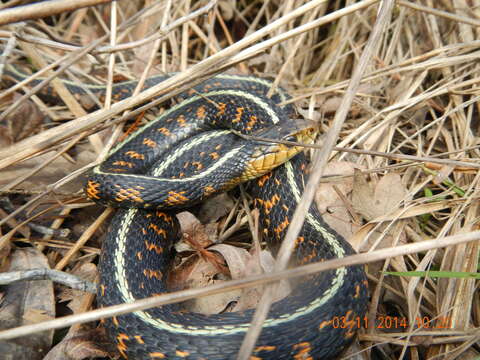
(277, 144)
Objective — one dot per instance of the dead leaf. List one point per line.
(333, 207)
(27, 302)
(51, 173)
(214, 208)
(379, 200)
(237, 259)
(83, 345)
(25, 121)
(203, 274)
(250, 296)
(195, 235)
(362, 196)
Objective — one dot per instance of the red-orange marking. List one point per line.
(175, 198)
(164, 131)
(123, 163)
(158, 230)
(221, 109)
(92, 189)
(165, 216)
(208, 190)
(265, 348)
(181, 121)
(149, 142)
(263, 179)
(269, 204)
(182, 353)
(238, 115)
(251, 122)
(127, 194)
(198, 164)
(304, 349)
(214, 155)
(153, 247)
(282, 226)
(121, 346)
(135, 155)
(139, 339)
(201, 112)
(157, 355)
(152, 273)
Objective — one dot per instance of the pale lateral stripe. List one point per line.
(329, 293)
(208, 171)
(331, 239)
(186, 147)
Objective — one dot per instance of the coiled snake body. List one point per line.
(187, 154)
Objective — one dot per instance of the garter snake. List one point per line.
(187, 154)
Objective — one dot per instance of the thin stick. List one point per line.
(43, 9)
(83, 239)
(440, 13)
(72, 281)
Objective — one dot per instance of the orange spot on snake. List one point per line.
(152, 274)
(92, 189)
(208, 190)
(123, 163)
(121, 346)
(304, 349)
(164, 131)
(181, 121)
(221, 109)
(263, 179)
(182, 353)
(249, 125)
(238, 115)
(164, 216)
(176, 198)
(201, 112)
(135, 155)
(139, 339)
(282, 226)
(265, 348)
(269, 204)
(149, 142)
(198, 164)
(128, 194)
(158, 230)
(157, 355)
(151, 246)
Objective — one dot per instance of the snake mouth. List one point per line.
(272, 152)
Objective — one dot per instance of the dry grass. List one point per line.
(418, 96)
